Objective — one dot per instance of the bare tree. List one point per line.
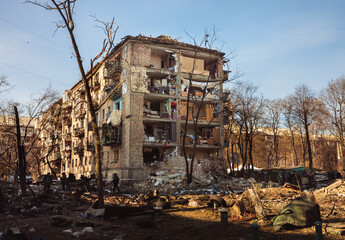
(22, 133)
(333, 97)
(248, 116)
(65, 8)
(287, 108)
(194, 103)
(273, 121)
(3, 83)
(304, 112)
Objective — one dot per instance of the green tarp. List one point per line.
(300, 212)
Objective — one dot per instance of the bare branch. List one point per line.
(110, 32)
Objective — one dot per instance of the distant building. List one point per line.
(8, 145)
(325, 150)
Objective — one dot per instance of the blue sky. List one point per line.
(277, 44)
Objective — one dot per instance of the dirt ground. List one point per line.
(181, 221)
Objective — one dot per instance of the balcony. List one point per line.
(155, 108)
(109, 84)
(67, 120)
(111, 140)
(79, 149)
(56, 156)
(95, 104)
(57, 112)
(165, 86)
(111, 136)
(67, 104)
(96, 85)
(81, 96)
(65, 149)
(80, 113)
(89, 126)
(113, 68)
(79, 132)
(90, 147)
(67, 136)
(160, 133)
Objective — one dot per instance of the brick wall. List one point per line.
(141, 55)
(136, 131)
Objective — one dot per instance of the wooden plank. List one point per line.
(254, 198)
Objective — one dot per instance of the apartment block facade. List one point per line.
(141, 92)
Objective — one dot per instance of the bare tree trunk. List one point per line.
(21, 155)
(90, 108)
(309, 147)
(276, 148)
(293, 144)
(47, 156)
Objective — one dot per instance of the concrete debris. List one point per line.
(119, 236)
(334, 228)
(81, 232)
(144, 205)
(96, 212)
(192, 203)
(237, 209)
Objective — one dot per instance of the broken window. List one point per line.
(160, 132)
(203, 66)
(151, 155)
(117, 106)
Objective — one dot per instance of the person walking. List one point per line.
(116, 181)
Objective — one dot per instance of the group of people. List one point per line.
(296, 178)
(65, 182)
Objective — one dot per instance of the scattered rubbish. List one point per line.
(119, 237)
(217, 202)
(95, 212)
(81, 232)
(238, 200)
(237, 209)
(192, 203)
(13, 234)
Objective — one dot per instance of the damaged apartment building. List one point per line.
(140, 94)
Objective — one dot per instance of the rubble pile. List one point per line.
(166, 200)
(332, 207)
(332, 199)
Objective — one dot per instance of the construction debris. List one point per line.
(150, 206)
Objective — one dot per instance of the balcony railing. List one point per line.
(80, 113)
(68, 136)
(108, 85)
(90, 147)
(67, 148)
(67, 104)
(113, 68)
(111, 136)
(79, 149)
(79, 132)
(111, 140)
(56, 156)
(96, 84)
